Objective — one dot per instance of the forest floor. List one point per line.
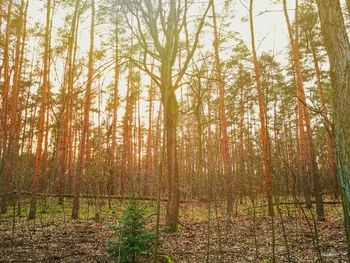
(56, 238)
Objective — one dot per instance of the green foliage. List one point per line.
(133, 239)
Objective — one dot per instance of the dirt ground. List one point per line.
(240, 240)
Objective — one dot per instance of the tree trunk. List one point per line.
(301, 97)
(86, 122)
(302, 155)
(10, 158)
(149, 153)
(170, 118)
(127, 136)
(44, 87)
(64, 112)
(7, 176)
(224, 141)
(338, 49)
(113, 173)
(262, 115)
(330, 144)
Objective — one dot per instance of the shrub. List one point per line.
(133, 239)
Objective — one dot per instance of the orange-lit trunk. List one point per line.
(301, 97)
(149, 152)
(111, 185)
(224, 140)
(7, 177)
(86, 121)
(302, 155)
(13, 126)
(46, 145)
(64, 119)
(127, 137)
(262, 115)
(44, 87)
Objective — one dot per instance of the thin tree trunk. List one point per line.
(86, 122)
(301, 97)
(4, 109)
(330, 144)
(115, 110)
(64, 114)
(149, 153)
(262, 115)
(44, 87)
(224, 141)
(47, 129)
(127, 136)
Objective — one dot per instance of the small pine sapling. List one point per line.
(133, 240)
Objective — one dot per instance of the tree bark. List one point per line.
(113, 172)
(38, 153)
(338, 48)
(301, 97)
(262, 115)
(170, 118)
(330, 144)
(86, 122)
(64, 112)
(149, 153)
(224, 141)
(7, 176)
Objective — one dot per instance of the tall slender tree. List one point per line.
(157, 20)
(304, 111)
(338, 48)
(43, 106)
(262, 115)
(5, 166)
(86, 120)
(225, 141)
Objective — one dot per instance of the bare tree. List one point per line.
(164, 25)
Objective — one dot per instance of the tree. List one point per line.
(6, 165)
(11, 121)
(338, 48)
(225, 140)
(126, 165)
(309, 23)
(304, 116)
(86, 121)
(154, 18)
(64, 119)
(262, 115)
(115, 104)
(133, 239)
(43, 106)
